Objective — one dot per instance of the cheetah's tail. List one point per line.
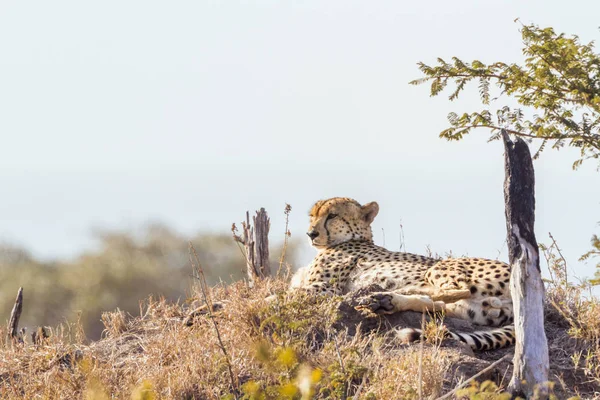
(480, 340)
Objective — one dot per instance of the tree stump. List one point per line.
(255, 239)
(531, 362)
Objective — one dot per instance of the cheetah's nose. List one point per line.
(312, 234)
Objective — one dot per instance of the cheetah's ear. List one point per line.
(370, 211)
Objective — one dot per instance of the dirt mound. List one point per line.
(561, 345)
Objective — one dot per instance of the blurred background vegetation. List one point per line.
(125, 268)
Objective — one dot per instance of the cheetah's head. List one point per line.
(339, 220)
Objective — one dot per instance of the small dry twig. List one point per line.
(421, 350)
(360, 387)
(471, 379)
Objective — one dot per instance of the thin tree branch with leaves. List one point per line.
(558, 87)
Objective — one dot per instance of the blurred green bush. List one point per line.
(126, 268)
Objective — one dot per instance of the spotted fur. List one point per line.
(474, 289)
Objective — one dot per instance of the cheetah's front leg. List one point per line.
(436, 294)
(391, 302)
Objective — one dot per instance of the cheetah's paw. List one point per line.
(378, 303)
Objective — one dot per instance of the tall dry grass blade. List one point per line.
(421, 350)
(564, 260)
(287, 234)
(339, 356)
(199, 273)
(401, 238)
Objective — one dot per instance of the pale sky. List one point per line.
(116, 113)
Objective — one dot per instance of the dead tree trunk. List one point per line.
(262, 223)
(530, 373)
(15, 315)
(255, 239)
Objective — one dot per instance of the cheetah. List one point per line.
(473, 289)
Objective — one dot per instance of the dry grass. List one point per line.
(286, 348)
(279, 349)
(579, 311)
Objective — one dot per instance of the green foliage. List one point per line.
(143, 392)
(95, 391)
(292, 330)
(297, 381)
(487, 390)
(290, 321)
(558, 85)
(339, 378)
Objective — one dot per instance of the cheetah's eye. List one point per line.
(331, 216)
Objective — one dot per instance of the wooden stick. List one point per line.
(421, 350)
(13, 324)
